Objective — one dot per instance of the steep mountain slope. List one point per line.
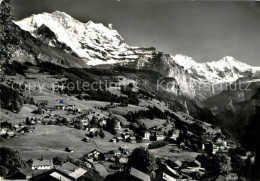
(96, 44)
(236, 105)
(89, 41)
(35, 51)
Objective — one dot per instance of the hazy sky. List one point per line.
(206, 31)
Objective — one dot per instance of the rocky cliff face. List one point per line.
(95, 44)
(35, 50)
(164, 64)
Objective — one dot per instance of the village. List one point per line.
(95, 136)
(100, 122)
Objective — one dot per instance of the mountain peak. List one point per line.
(60, 12)
(230, 60)
(90, 41)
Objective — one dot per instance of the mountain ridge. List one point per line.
(97, 44)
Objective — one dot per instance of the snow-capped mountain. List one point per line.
(97, 44)
(228, 69)
(93, 42)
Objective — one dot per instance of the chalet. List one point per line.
(215, 149)
(146, 135)
(102, 123)
(125, 135)
(42, 164)
(84, 122)
(109, 156)
(92, 130)
(138, 175)
(122, 159)
(53, 175)
(221, 145)
(131, 139)
(170, 174)
(128, 130)
(117, 127)
(86, 139)
(113, 140)
(119, 139)
(175, 134)
(70, 107)
(117, 166)
(78, 110)
(89, 162)
(3, 131)
(59, 161)
(203, 144)
(10, 134)
(94, 154)
(124, 150)
(221, 140)
(59, 176)
(16, 127)
(195, 166)
(59, 106)
(23, 130)
(72, 170)
(33, 122)
(49, 110)
(176, 164)
(23, 174)
(159, 136)
(115, 152)
(70, 149)
(189, 172)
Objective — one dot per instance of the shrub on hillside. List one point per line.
(157, 144)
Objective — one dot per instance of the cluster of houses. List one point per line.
(72, 168)
(180, 171)
(70, 107)
(118, 157)
(45, 169)
(8, 131)
(127, 135)
(219, 141)
(212, 135)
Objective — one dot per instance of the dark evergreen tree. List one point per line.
(142, 160)
(8, 37)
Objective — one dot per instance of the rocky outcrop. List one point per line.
(96, 44)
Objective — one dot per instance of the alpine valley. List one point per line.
(141, 92)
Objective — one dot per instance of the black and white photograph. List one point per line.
(129, 90)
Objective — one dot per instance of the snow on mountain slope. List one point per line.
(97, 44)
(227, 69)
(90, 41)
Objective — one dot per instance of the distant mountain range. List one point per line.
(96, 44)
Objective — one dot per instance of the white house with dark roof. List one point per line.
(42, 164)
